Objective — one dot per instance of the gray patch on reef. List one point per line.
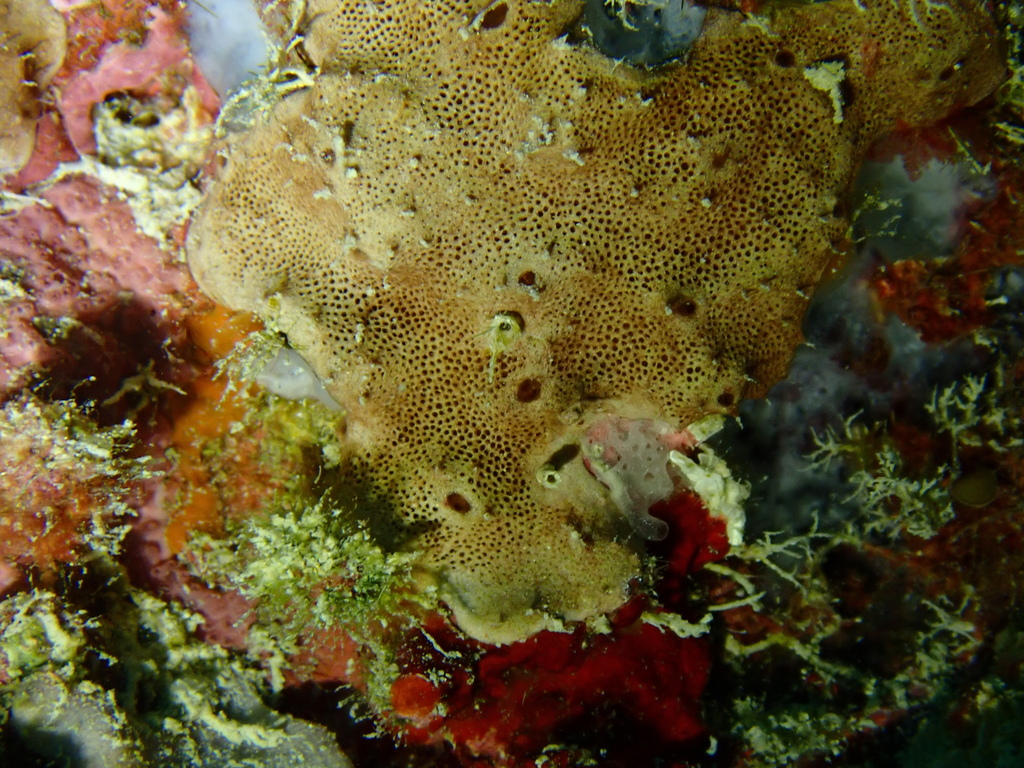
(72, 725)
(79, 725)
(899, 217)
(224, 738)
(648, 33)
(228, 42)
(916, 216)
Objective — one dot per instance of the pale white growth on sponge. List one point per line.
(723, 495)
(710, 478)
(635, 460)
(288, 375)
(631, 459)
(828, 76)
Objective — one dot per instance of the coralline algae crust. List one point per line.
(653, 234)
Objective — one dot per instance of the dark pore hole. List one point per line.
(563, 455)
(528, 390)
(494, 17)
(683, 306)
(949, 71)
(457, 502)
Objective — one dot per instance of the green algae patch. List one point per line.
(35, 634)
(307, 569)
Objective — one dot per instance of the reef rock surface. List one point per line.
(488, 238)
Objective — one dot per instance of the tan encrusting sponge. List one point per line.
(32, 47)
(486, 237)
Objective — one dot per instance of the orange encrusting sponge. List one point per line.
(207, 416)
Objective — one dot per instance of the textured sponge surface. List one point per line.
(485, 236)
(32, 47)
